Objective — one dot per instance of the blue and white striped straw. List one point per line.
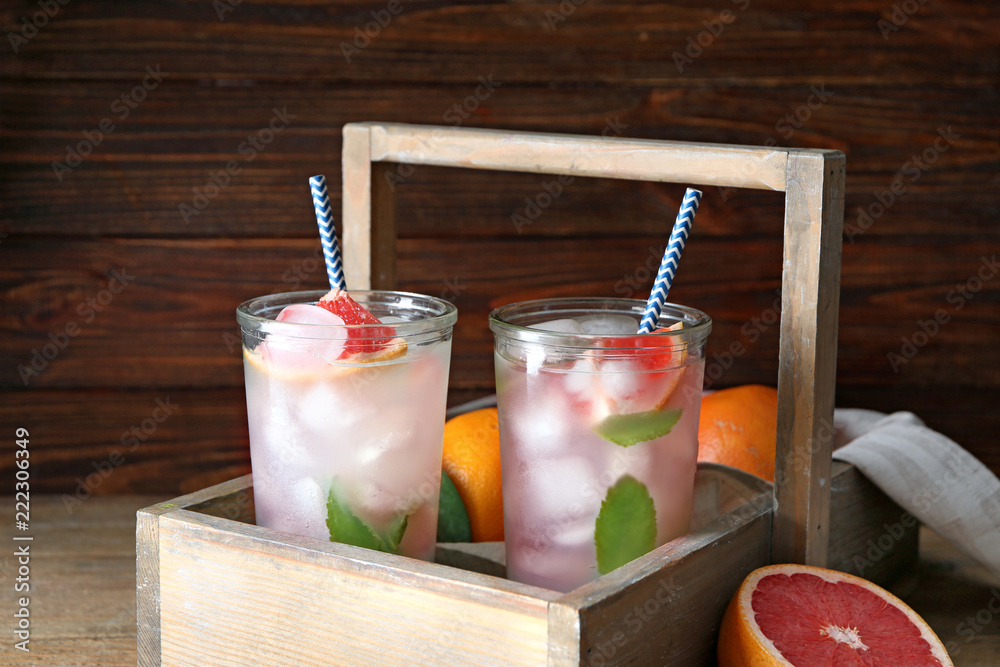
(671, 258)
(327, 234)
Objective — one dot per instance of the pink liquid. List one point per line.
(372, 433)
(557, 469)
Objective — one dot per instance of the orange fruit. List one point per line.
(806, 616)
(739, 428)
(472, 460)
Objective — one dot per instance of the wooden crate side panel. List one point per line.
(231, 500)
(870, 535)
(672, 617)
(147, 588)
(230, 596)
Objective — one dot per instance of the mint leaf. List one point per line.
(394, 535)
(628, 430)
(626, 526)
(346, 527)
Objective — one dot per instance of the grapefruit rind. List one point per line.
(341, 367)
(378, 338)
(656, 387)
(742, 643)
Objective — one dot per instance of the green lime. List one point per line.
(453, 519)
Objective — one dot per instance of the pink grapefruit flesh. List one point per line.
(638, 383)
(362, 340)
(808, 616)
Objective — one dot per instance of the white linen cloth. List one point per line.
(927, 474)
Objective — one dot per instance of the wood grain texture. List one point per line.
(430, 42)
(82, 582)
(810, 297)
(393, 610)
(751, 167)
(870, 535)
(809, 75)
(174, 324)
(83, 598)
(170, 141)
(215, 575)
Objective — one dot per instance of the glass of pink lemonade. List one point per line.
(346, 402)
(598, 433)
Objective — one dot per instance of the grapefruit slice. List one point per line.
(364, 343)
(807, 616)
(637, 384)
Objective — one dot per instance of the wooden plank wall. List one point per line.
(144, 103)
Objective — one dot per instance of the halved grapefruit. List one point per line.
(807, 616)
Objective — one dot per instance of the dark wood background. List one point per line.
(169, 334)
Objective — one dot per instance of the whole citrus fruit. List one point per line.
(805, 616)
(739, 428)
(472, 460)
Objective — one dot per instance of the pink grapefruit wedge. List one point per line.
(364, 343)
(812, 617)
(637, 383)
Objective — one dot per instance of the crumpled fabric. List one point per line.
(927, 474)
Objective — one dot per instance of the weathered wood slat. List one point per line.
(757, 168)
(633, 42)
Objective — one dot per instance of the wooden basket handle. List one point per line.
(813, 183)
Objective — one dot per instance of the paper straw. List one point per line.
(671, 258)
(327, 234)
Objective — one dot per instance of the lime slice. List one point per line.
(626, 526)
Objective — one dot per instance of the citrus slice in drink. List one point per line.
(805, 616)
(643, 380)
(364, 343)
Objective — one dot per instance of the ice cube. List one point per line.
(625, 385)
(297, 507)
(394, 460)
(608, 324)
(333, 407)
(392, 476)
(544, 420)
(635, 461)
(320, 336)
(559, 326)
(577, 533)
(562, 492)
(583, 384)
(304, 313)
(537, 560)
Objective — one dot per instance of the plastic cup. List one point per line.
(345, 429)
(598, 433)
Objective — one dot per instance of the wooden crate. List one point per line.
(214, 589)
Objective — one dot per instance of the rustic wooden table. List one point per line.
(82, 595)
